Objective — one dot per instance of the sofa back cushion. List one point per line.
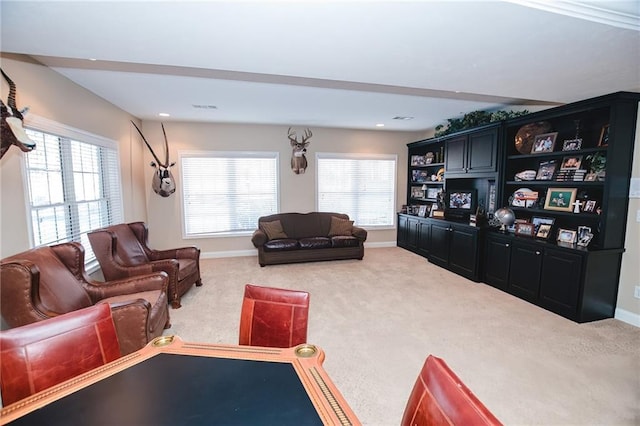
(128, 247)
(304, 225)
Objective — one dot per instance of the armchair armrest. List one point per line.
(177, 253)
(19, 286)
(101, 290)
(259, 238)
(131, 320)
(359, 233)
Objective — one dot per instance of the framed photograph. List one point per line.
(566, 236)
(589, 206)
(419, 176)
(417, 160)
(546, 170)
(525, 229)
(544, 143)
(604, 136)
(560, 199)
(416, 192)
(543, 231)
(584, 236)
(537, 221)
(432, 193)
(572, 145)
(422, 211)
(571, 163)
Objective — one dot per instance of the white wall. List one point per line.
(54, 97)
(297, 192)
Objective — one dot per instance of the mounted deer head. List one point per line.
(11, 130)
(163, 183)
(298, 158)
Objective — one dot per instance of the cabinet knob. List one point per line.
(506, 245)
(538, 252)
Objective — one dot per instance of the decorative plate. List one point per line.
(527, 133)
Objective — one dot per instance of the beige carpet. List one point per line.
(379, 318)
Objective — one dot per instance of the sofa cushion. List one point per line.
(344, 241)
(273, 229)
(340, 227)
(281, 245)
(314, 243)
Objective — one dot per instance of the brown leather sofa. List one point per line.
(123, 251)
(49, 281)
(307, 237)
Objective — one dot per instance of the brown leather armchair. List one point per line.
(440, 398)
(42, 354)
(123, 251)
(49, 281)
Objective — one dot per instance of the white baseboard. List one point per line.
(628, 317)
(235, 253)
(380, 244)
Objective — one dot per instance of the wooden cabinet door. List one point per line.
(424, 237)
(524, 271)
(412, 233)
(403, 229)
(463, 251)
(482, 152)
(497, 261)
(456, 155)
(440, 242)
(560, 282)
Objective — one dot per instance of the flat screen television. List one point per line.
(460, 203)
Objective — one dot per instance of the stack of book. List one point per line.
(571, 175)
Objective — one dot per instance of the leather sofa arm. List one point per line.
(177, 253)
(359, 233)
(19, 286)
(100, 290)
(259, 238)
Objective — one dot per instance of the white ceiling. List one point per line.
(346, 64)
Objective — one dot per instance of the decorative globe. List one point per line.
(506, 216)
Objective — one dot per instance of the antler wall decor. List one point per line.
(298, 158)
(11, 130)
(163, 182)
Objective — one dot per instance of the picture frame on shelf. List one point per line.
(537, 221)
(432, 193)
(544, 142)
(572, 145)
(560, 199)
(546, 170)
(544, 230)
(418, 160)
(590, 206)
(419, 176)
(428, 158)
(524, 197)
(422, 210)
(572, 162)
(604, 136)
(584, 236)
(416, 192)
(567, 236)
(524, 229)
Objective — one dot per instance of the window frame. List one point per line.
(71, 134)
(275, 155)
(361, 156)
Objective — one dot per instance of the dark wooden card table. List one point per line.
(171, 382)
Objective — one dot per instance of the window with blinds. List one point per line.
(224, 193)
(74, 187)
(360, 185)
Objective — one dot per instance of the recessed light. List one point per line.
(379, 125)
(400, 117)
(164, 114)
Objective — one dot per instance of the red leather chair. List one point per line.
(273, 317)
(440, 398)
(48, 281)
(123, 251)
(37, 356)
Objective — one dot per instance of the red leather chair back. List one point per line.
(273, 317)
(440, 398)
(37, 356)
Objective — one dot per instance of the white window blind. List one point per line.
(360, 185)
(226, 192)
(74, 187)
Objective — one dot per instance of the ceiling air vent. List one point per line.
(399, 117)
(204, 106)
